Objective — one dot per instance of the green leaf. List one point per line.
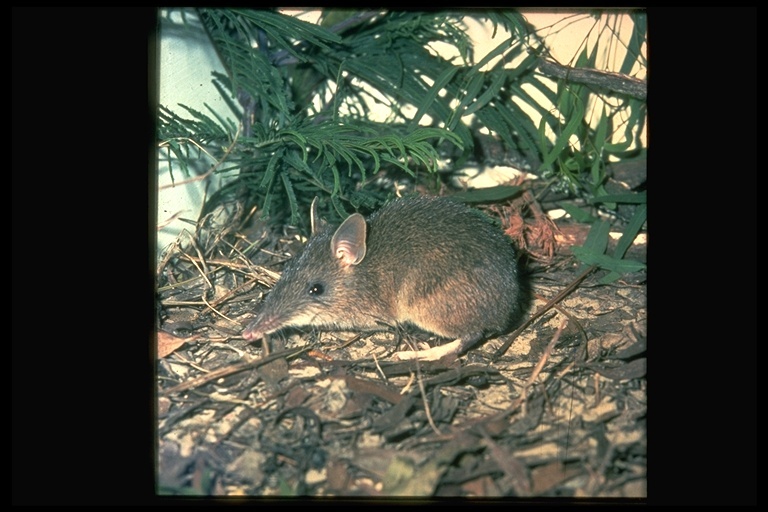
(631, 231)
(498, 51)
(474, 83)
(563, 138)
(577, 213)
(490, 93)
(487, 195)
(429, 98)
(291, 198)
(636, 41)
(632, 127)
(621, 266)
(628, 198)
(280, 26)
(269, 174)
(597, 238)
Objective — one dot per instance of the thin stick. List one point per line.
(557, 298)
(250, 362)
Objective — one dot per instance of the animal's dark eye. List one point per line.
(316, 289)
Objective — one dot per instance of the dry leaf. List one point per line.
(550, 476)
(167, 343)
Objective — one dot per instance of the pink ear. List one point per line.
(348, 243)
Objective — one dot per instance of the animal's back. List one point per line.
(448, 269)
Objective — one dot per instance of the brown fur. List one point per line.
(430, 262)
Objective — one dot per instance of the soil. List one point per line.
(556, 410)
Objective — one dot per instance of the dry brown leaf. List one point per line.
(551, 475)
(167, 343)
(515, 471)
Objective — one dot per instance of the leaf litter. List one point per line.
(558, 411)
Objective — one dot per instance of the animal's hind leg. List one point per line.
(454, 348)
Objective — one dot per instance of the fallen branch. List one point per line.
(615, 82)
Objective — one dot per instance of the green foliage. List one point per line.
(582, 147)
(593, 252)
(487, 195)
(302, 95)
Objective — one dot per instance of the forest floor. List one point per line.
(559, 410)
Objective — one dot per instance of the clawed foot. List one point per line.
(431, 354)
